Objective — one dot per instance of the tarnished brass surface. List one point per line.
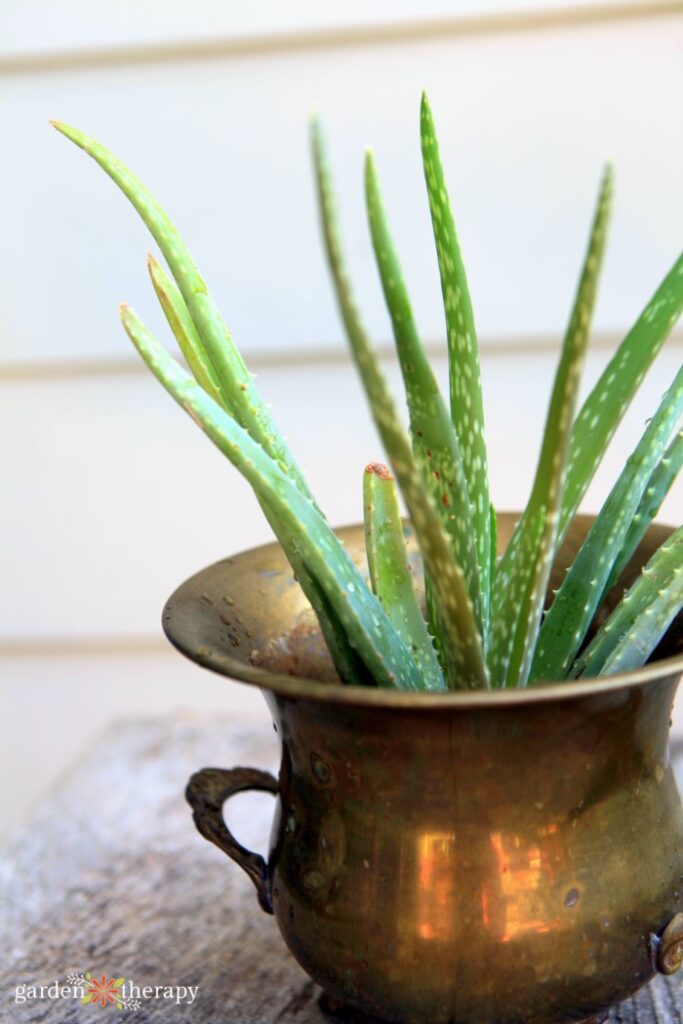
(480, 857)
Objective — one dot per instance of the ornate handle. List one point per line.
(670, 947)
(206, 793)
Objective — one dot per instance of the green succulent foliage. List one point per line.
(631, 633)
(522, 577)
(484, 624)
(602, 412)
(349, 665)
(460, 643)
(435, 441)
(575, 603)
(390, 573)
(297, 518)
(658, 487)
(467, 408)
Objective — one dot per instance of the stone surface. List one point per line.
(110, 876)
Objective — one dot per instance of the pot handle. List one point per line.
(206, 793)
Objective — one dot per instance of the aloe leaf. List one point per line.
(656, 491)
(494, 546)
(631, 633)
(435, 441)
(390, 574)
(365, 622)
(524, 570)
(571, 613)
(349, 666)
(237, 389)
(184, 330)
(461, 643)
(604, 408)
(217, 365)
(467, 410)
(348, 663)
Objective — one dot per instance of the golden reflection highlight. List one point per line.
(435, 918)
(524, 873)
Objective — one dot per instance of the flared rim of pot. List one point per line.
(217, 618)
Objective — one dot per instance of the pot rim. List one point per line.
(299, 687)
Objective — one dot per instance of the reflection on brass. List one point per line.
(462, 858)
(435, 883)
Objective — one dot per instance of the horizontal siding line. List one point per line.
(262, 44)
(125, 366)
(78, 646)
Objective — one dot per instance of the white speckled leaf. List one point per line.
(461, 645)
(467, 410)
(435, 441)
(237, 389)
(571, 613)
(390, 573)
(604, 408)
(522, 575)
(656, 491)
(631, 633)
(365, 622)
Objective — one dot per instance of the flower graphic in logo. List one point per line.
(104, 992)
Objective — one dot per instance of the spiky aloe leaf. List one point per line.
(435, 441)
(604, 408)
(184, 330)
(237, 389)
(523, 572)
(219, 368)
(392, 581)
(461, 643)
(467, 409)
(631, 633)
(364, 620)
(656, 491)
(349, 666)
(494, 545)
(347, 661)
(571, 613)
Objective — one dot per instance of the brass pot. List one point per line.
(472, 857)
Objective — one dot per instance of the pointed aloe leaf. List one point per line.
(392, 581)
(494, 545)
(435, 441)
(467, 409)
(349, 666)
(461, 643)
(632, 632)
(365, 622)
(184, 330)
(524, 570)
(238, 391)
(347, 661)
(217, 364)
(604, 408)
(656, 491)
(576, 602)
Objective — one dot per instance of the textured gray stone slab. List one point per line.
(110, 876)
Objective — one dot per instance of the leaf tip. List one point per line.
(378, 469)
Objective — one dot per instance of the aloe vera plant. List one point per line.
(485, 623)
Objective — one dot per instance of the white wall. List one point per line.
(111, 497)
